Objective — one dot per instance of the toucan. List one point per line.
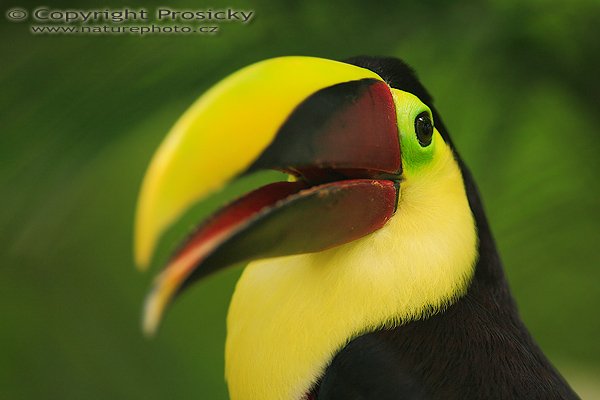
(371, 269)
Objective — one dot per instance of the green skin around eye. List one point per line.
(414, 156)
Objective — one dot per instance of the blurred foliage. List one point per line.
(517, 84)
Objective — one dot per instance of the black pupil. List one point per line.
(424, 129)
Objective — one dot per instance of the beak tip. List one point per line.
(152, 315)
(149, 325)
(148, 330)
(146, 231)
(142, 253)
(140, 266)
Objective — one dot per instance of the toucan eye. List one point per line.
(424, 129)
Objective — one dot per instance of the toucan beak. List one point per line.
(332, 125)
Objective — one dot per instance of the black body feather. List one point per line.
(478, 348)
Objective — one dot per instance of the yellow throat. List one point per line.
(289, 316)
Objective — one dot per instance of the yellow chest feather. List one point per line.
(289, 316)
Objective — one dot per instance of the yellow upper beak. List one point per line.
(221, 135)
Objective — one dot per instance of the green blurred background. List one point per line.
(80, 116)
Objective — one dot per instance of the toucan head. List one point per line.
(373, 227)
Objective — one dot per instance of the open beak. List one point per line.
(332, 125)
